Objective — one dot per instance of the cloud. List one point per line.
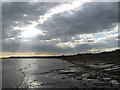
(94, 17)
(85, 28)
(20, 14)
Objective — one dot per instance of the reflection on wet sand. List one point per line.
(55, 73)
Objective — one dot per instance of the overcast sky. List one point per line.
(55, 28)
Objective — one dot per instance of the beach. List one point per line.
(55, 73)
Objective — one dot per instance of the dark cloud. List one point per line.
(40, 47)
(92, 18)
(61, 28)
(14, 12)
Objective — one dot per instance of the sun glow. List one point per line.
(29, 31)
(21, 54)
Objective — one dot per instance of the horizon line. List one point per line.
(35, 56)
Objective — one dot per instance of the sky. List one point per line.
(57, 28)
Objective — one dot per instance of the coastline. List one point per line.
(98, 62)
(80, 71)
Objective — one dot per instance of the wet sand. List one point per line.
(56, 73)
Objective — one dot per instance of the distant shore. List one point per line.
(82, 70)
(110, 54)
(88, 60)
(91, 61)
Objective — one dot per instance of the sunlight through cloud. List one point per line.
(29, 31)
(62, 8)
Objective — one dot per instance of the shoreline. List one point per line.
(87, 71)
(58, 72)
(83, 55)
